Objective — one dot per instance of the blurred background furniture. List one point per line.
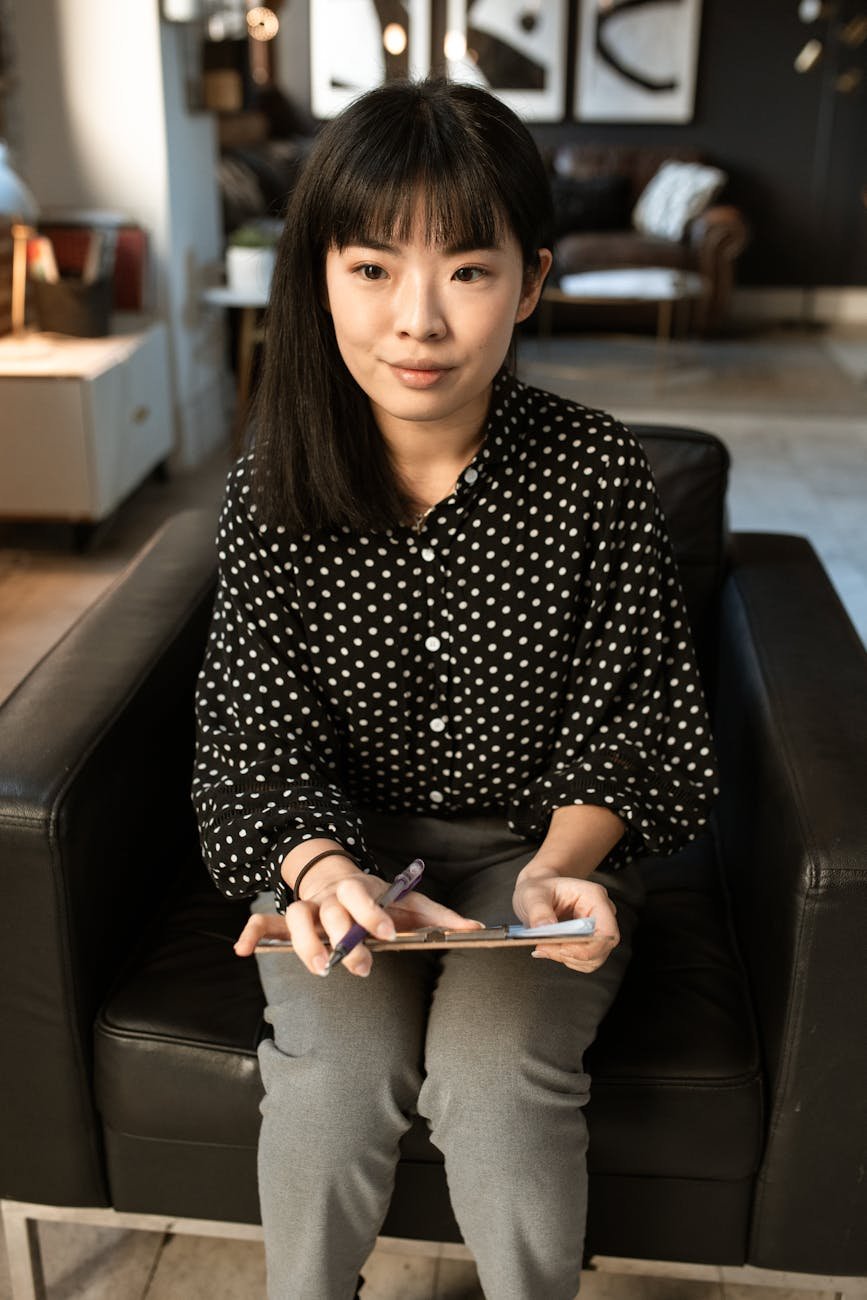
(727, 1116)
(82, 421)
(261, 153)
(262, 150)
(670, 291)
(595, 190)
(250, 305)
(70, 233)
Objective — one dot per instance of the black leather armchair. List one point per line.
(727, 1122)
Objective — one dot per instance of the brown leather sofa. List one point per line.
(711, 245)
(727, 1122)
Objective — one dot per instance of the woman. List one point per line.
(449, 626)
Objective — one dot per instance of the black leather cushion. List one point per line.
(675, 1066)
(691, 472)
(590, 203)
(176, 1040)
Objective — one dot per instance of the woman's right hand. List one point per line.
(339, 904)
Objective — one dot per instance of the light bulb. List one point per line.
(455, 46)
(809, 56)
(262, 24)
(394, 38)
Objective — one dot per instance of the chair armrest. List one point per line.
(95, 819)
(721, 230)
(792, 824)
(719, 235)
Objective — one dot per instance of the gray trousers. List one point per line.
(487, 1046)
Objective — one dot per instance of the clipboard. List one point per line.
(578, 931)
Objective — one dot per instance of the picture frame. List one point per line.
(348, 53)
(181, 11)
(517, 49)
(637, 61)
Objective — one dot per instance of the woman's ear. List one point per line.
(534, 282)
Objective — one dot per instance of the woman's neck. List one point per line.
(430, 455)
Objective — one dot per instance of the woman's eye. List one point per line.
(369, 266)
(468, 271)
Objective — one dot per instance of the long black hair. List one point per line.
(319, 459)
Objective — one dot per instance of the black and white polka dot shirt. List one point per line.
(526, 649)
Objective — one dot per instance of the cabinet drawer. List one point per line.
(82, 422)
(44, 463)
(130, 419)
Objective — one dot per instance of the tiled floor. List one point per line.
(793, 412)
(84, 1263)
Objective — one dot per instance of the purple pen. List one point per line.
(401, 885)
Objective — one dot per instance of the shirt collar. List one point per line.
(501, 421)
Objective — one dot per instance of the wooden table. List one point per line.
(250, 304)
(662, 285)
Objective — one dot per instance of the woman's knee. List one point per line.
(315, 1066)
(313, 1112)
(493, 1089)
(353, 1048)
(489, 1058)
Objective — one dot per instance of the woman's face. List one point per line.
(424, 330)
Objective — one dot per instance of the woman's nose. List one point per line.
(418, 311)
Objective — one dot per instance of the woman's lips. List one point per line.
(419, 378)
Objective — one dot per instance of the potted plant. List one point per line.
(250, 258)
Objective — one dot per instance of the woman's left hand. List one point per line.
(541, 899)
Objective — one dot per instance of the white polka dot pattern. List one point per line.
(527, 649)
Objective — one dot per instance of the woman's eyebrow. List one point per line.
(365, 242)
(467, 246)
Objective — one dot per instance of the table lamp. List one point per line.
(18, 204)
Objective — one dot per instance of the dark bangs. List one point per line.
(432, 140)
(375, 196)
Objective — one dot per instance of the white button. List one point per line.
(428, 554)
(471, 475)
(432, 643)
(435, 796)
(437, 724)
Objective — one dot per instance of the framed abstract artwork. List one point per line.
(358, 44)
(515, 48)
(637, 60)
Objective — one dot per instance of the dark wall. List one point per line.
(758, 119)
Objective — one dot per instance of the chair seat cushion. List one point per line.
(675, 1066)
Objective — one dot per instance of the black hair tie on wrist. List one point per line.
(339, 853)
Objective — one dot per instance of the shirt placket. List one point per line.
(438, 710)
(434, 704)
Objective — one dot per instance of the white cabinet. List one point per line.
(82, 421)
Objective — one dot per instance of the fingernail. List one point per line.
(365, 969)
(319, 964)
(536, 953)
(386, 930)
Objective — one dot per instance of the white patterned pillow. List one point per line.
(678, 192)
